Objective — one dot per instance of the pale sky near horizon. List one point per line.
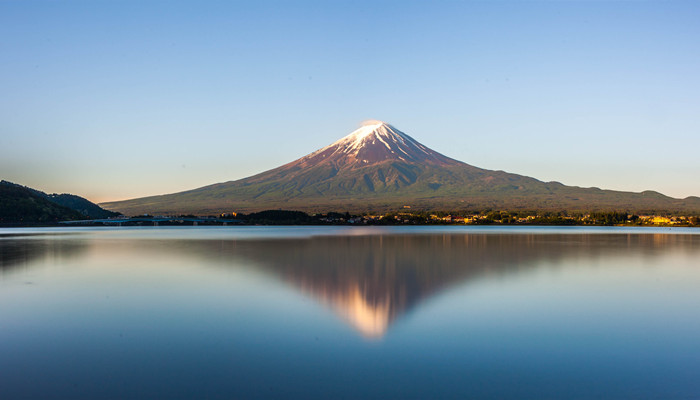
(115, 100)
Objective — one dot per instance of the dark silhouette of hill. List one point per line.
(82, 205)
(379, 168)
(21, 204)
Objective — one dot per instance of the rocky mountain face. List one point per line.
(379, 168)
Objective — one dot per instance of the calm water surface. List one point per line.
(340, 312)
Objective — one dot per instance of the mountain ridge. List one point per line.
(377, 168)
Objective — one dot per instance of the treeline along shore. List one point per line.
(404, 217)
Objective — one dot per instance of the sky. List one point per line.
(113, 100)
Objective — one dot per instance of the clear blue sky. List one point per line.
(114, 100)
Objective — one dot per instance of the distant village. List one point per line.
(519, 218)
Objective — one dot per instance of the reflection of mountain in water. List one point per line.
(372, 280)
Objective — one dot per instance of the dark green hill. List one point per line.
(82, 205)
(23, 204)
(20, 205)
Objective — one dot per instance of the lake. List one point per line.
(349, 312)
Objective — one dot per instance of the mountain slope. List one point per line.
(378, 167)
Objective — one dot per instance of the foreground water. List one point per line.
(309, 312)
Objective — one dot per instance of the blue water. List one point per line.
(345, 312)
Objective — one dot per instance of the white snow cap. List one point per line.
(378, 130)
(377, 141)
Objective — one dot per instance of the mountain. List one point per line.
(21, 204)
(379, 168)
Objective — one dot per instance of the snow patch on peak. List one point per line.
(363, 132)
(377, 130)
(373, 133)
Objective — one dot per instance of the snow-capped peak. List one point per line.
(371, 133)
(357, 137)
(376, 141)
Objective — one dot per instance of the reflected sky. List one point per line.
(343, 313)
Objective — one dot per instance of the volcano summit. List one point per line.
(379, 168)
(374, 143)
